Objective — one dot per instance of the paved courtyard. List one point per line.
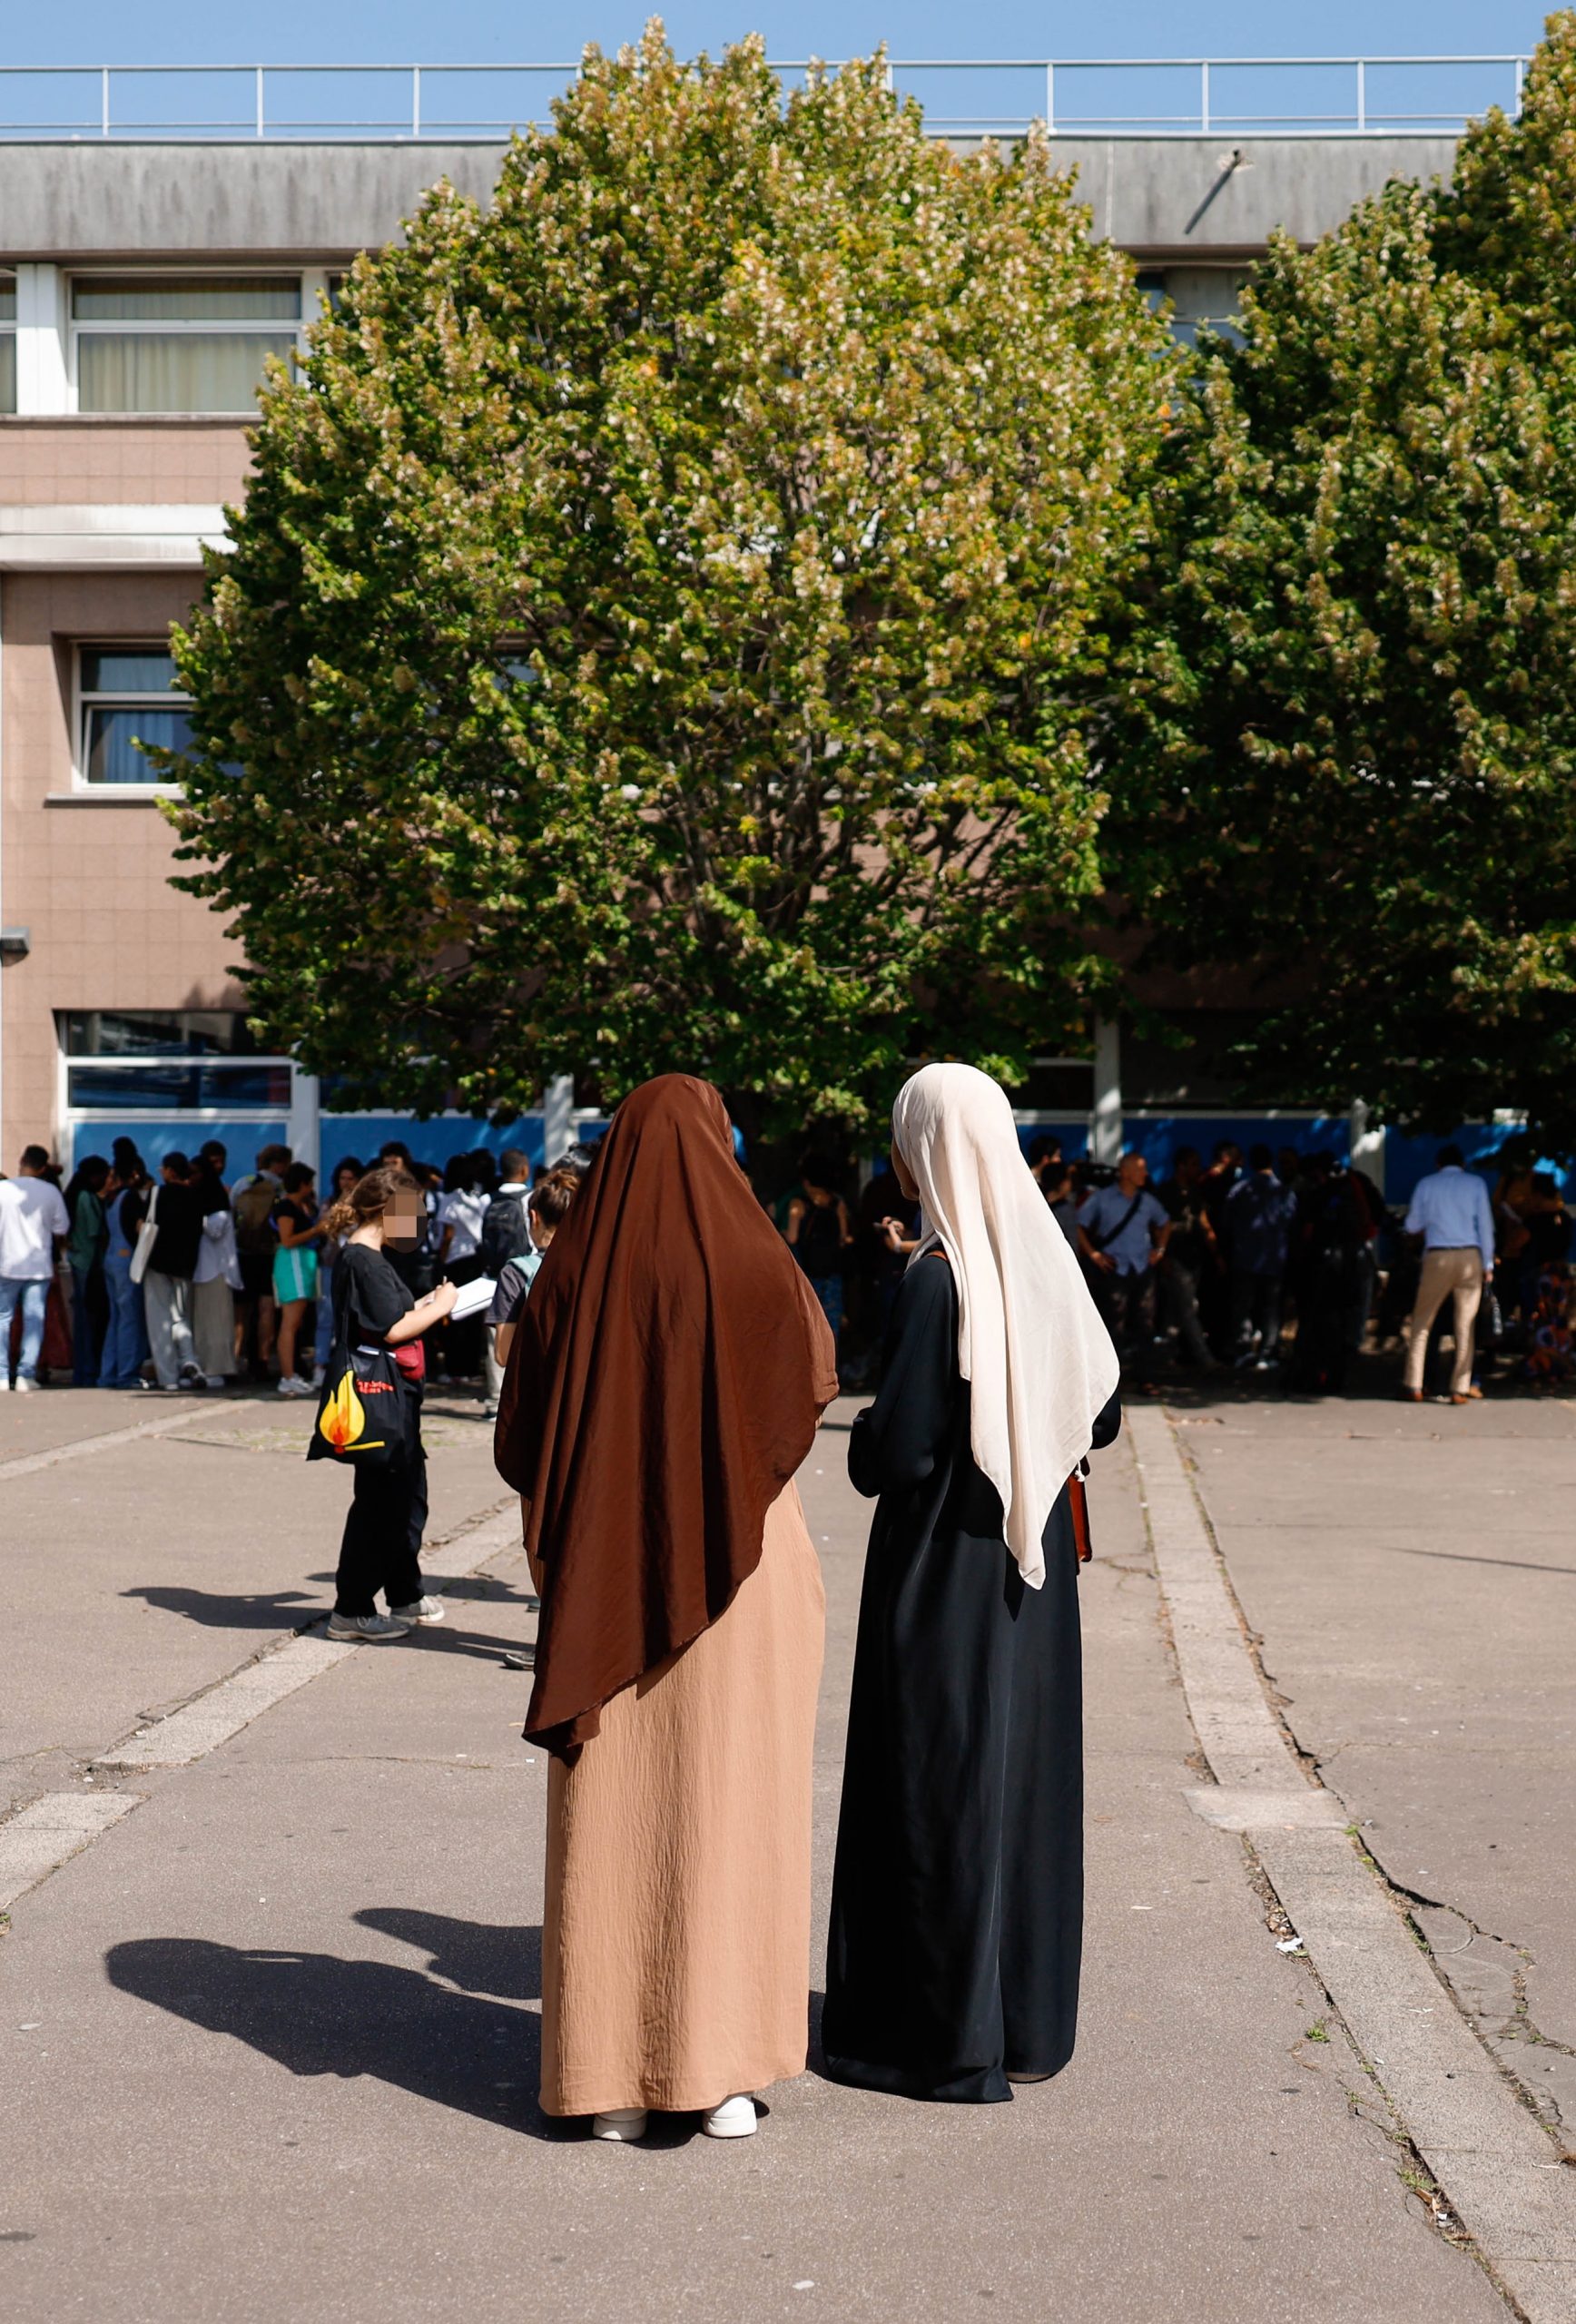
(268, 2034)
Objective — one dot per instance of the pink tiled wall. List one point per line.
(95, 459)
(90, 883)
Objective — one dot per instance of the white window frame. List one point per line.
(83, 700)
(125, 327)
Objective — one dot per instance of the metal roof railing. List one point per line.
(1280, 96)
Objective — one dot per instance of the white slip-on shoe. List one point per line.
(425, 1609)
(736, 2118)
(620, 2123)
(376, 1627)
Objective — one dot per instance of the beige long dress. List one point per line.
(676, 1945)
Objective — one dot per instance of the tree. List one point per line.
(1344, 749)
(663, 624)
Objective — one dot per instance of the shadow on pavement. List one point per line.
(317, 2014)
(480, 1956)
(278, 1609)
(293, 1609)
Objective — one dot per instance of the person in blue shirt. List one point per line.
(1123, 1230)
(1259, 1211)
(1452, 1212)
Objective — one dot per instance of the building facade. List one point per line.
(141, 286)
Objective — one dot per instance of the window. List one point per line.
(129, 695)
(7, 342)
(162, 1084)
(179, 342)
(155, 1032)
(1199, 295)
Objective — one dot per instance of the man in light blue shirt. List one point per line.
(1452, 1212)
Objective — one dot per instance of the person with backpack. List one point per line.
(252, 1202)
(506, 1236)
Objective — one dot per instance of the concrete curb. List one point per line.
(1500, 2170)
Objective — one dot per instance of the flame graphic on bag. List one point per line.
(344, 1416)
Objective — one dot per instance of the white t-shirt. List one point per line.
(31, 1211)
(464, 1214)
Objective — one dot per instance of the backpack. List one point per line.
(253, 1206)
(506, 1232)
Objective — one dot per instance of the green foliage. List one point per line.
(1345, 750)
(663, 626)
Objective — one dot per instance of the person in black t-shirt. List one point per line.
(380, 1549)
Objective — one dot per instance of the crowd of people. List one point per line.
(1275, 1264)
(1280, 1265)
(179, 1279)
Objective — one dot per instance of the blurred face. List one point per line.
(1189, 1168)
(402, 1220)
(344, 1179)
(903, 1175)
(1132, 1173)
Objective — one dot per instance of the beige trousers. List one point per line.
(1454, 1273)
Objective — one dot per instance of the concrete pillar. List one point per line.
(303, 1132)
(43, 373)
(557, 1117)
(1106, 1115)
(1367, 1146)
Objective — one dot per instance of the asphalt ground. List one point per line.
(269, 2041)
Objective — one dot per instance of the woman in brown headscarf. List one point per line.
(666, 1380)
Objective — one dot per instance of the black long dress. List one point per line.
(957, 1905)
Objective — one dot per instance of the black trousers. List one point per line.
(380, 1548)
(1127, 1307)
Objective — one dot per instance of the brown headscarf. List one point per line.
(665, 1383)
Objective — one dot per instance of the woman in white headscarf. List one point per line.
(957, 1909)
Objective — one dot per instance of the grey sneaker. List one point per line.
(374, 1627)
(426, 1609)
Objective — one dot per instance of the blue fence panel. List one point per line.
(1158, 1137)
(435, 1140)
(154, 1139)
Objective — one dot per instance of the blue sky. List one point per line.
(347, 31)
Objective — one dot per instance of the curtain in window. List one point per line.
(111, 736)
(179, 371)
(185, 298)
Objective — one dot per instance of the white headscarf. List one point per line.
(1030, 1342)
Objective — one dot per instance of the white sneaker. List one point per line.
(620, 2123)
(736, 2118)
(375, 1627)
(22, 1385)
(292, 1384)
(425, 1609)
(215, 1380)
(4, 1385)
